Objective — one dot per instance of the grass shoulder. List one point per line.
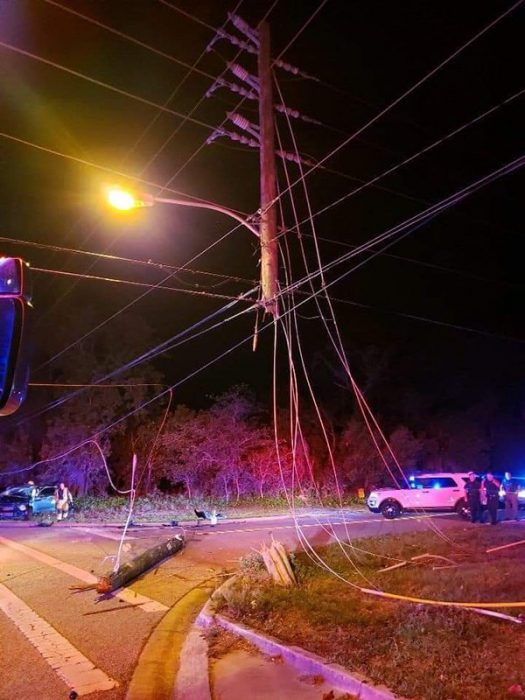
(419, 651)
(164, 508)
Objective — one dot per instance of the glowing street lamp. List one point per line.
(123, 200)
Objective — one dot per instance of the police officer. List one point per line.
(491, 487)
(473, 497)
(510, 486)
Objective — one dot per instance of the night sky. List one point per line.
(463, 269)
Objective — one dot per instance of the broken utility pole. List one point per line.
(137, 566)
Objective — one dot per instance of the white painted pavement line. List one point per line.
(103, 533)
(75, 669)
(146, 604)
(302, 526)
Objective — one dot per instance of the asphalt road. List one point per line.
(55, 639)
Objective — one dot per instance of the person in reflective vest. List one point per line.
(63, 499)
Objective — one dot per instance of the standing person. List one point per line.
(510, 486)
(473, 497)
(62, 500)
(31, 484)
(491, 487)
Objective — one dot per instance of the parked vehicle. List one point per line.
(433, 492)
(25, 501)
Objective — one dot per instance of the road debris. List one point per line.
(137, 566)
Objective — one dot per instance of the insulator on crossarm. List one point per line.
(217, 133)
(296, 115)
(249, 48)
(212, 88)
(244, 28)
(295, 71)
(213, 41)
(249, 94)
(243, 123)
(240, 138)
(241, 73)
(294, 158)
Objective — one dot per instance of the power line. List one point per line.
(133, 283)
(194, 108)
(406, 93)
(106, 86)
(205, 142)
(349, 302)
(191, 69)
(111, 171)
(301, 29)
(425, 263)
(407, 226)
(419, 219)
(426, 319)
(58, 385)
(188, 15)
(410, 224)
(131, 39)
(421, 152)
(312, 78)
(167, 345)
(120, 258)
(133, 302)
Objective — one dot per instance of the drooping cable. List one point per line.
(409, 91)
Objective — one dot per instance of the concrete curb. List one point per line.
(193, 678)
(303, 661)
(159, 664)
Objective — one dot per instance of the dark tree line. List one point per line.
(230, 447)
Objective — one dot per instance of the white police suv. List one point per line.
(433, 492)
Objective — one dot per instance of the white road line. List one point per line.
(321, 524)
(146, 604)
(103, 533)
(75, 669)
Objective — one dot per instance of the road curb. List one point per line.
(193, 679)
(161, 658)
(303, 661)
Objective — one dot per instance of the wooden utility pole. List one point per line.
(268, 227)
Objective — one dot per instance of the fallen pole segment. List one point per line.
(137, 566)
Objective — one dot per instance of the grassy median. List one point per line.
(419, 651)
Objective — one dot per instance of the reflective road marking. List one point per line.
(75, 669)
(320, 524)
(146, 604)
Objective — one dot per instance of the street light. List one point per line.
(123, 200)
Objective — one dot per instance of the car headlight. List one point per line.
(22, 507)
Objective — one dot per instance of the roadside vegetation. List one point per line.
(419, 651)
(164, 508)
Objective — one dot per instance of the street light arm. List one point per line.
(206, 205)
